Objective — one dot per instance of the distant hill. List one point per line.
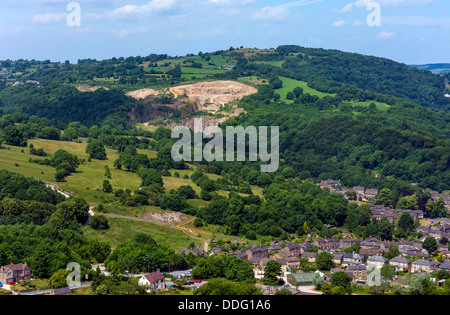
(436, 68)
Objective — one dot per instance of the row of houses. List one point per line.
(380, 211)
(361, 192)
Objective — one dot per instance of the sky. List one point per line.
(408, 31)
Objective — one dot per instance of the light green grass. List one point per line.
(123, 230)
(380, 106)
(253, 80)
(290, 84)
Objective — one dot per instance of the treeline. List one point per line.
(143, 254)
(405, 143)
(365, 72)
(66, 104)
(47, 249)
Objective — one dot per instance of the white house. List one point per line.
(155, 281)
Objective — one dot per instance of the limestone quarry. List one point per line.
(208, 96)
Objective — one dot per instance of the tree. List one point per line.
(392, 252)
(151, 176)
(406, 222)
(341, 279)
(384, 197)
(107, 187)
(99, 222)
(284, 291)
(430, 244)
(324, 261)
(385, 229)
(96, 150)
(298, 91)
(272, 272)
(187, 192)
(13, 136)
(59, 279)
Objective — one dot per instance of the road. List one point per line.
(42, 292)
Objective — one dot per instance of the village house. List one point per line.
(422, 265)
(327, 244)
(378, 261)
(255, 261)
(347, 242)
(331, 184)
(370, 251)
(15, 273)
(359, 271)
(400, 263)
(310, 256)
(295, 249)
(155, 281)
(338, 258)
(196, 251)
(293, 262)
(359, 190)
(415, 214)
(259, 252)
(243, 256)
(371, 193)
(353, 259)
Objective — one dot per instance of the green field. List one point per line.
(291, 84)
(253, 80)
(123, 230)
(87, 184)
(380, 106)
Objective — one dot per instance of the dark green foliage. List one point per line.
(271, 273)
(187, 192)
(13, 136)
(66, 104)
(96, 150)
(151, 176)
(221, 266)
(430, 244)
(223, 287)
(142, 254)
(324, 261)
(99, 222)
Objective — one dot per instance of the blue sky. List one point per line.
(411, 31)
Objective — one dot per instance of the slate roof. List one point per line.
(154, 277)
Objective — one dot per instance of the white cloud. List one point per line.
(387, 3)
(49, 18)
(385, 35)
(339, 23)
(358, 23)
(231, 3)
(154, 6)
(280, 12)
(271, 14)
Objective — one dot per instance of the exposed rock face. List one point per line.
(211, 96)
(142, 94)
(206, 96)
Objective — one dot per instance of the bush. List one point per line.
(99, 222)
